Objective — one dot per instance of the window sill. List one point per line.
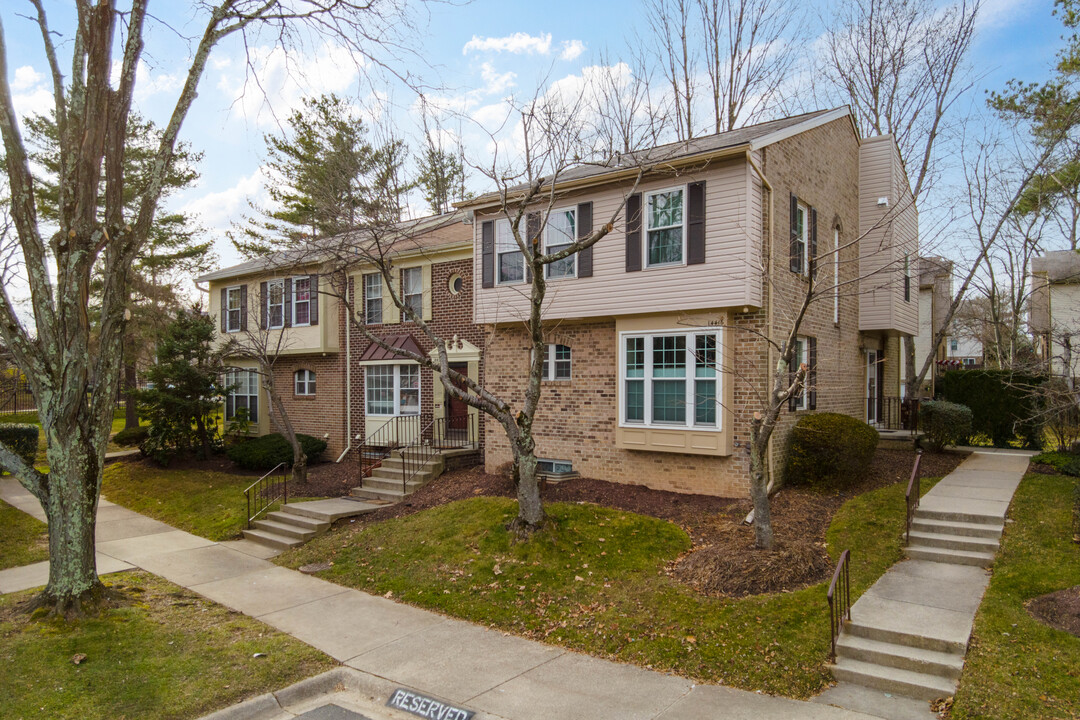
(661, 266)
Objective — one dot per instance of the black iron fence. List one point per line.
(897, 413)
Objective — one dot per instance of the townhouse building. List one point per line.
(1054, 318)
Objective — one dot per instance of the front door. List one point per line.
(457, 411)
(872, 387)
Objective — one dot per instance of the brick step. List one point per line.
(272, 539)
(296, 520)
(953, 527)
(907, 639)
(904, 657)
(286, 529)
(955, 557)
(893, 680)
(953, 542)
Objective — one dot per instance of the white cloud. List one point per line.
(278, 82)
(517, 43)
(571, 49)
(219, 210)
(26, 77)
(999, 13)
(494, 81)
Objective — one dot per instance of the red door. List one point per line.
(457, 411)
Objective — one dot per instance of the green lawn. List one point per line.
(23, 539)
(596, 583)
(1017, 667)
(169, 654)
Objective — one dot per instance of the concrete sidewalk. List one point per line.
(495, 674)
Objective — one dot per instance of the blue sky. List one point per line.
(479, 53)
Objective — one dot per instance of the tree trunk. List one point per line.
(759, 486)
(131, 410)
(530, 517)
(299, 466)
(75, 467)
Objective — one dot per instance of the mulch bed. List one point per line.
(723, 560)
(1060, 610)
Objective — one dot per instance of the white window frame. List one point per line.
(801, 355)
(804, 239)
(690, 378)
(506, 244)
(836, 276)
(645, 229)
(233, 378)
(296, 303)
(368, 300)
(416, 300)
(270, 285)
(304, 382)
(550, 371)
(543, 463)
(229, 309)
(396, 389)
(560, 242)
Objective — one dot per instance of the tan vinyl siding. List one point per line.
(726, 278)
(298, 340)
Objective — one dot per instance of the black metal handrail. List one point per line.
(416, 439)
(912, 497)
(266, 491)
(839, 597)
(379, 444)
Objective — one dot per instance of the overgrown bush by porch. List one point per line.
(828, 450)
(268, 451)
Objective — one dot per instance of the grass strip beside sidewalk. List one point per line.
(23, 539)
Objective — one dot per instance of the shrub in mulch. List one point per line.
(1060, 610)
(829, 451)
(716, 570)
(267, 451)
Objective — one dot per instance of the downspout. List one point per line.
(348, 375)
(769, 315)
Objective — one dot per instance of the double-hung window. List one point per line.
(301, 301)
(665, 228)
(412, 289)
(372, 299)
(799, 241)
(393, 390)
(561, 231)
(671, 379)
(556, 362)
(510, 261)
(243, 394)
(305, 382)
(798, 358)
(275, 303)
(233, 309)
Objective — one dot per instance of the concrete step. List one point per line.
(904, 657)
(894, 680)
(952, 527)
(286, 529)
(394, 462)
(394, 475)
(372, 493)
(377, 482)
(971, 518)
(907, 639)
(298, 521)
(956, 557)
(875, 703)
(953, 542)
(272, 539)
(327, 511)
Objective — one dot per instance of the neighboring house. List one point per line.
(963, 352)
(935, 295)
(709, 254)
(334, 382)
(1055, 311)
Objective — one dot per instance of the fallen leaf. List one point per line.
(78, 658)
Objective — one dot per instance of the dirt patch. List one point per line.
(1042, 469)
(1060, 610)
(723, 560)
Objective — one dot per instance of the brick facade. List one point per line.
(322, 414)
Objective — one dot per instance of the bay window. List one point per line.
(393, 390)
(671, 379)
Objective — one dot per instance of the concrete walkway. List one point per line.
(494, 674)
(908, 633)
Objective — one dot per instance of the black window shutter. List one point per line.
(532, 241)
(243, 307)
(313, 304)
(813, 240)
(811, 374)
(695, 231)
(264, 300)
(224, 308)
(795, 257)
(487, 253)
(633, 232)
(287, 310)
(584, 228)
(794, 399)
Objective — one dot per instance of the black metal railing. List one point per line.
(912, 496)
(267, 490)
(897, 413)
(839, 597)
(15, 398)
(416, 439)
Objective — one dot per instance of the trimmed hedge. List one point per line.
(22, 438)
(130, 437)
(1003, 404)
(944, 423)
(265, 452)
(828, 451)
